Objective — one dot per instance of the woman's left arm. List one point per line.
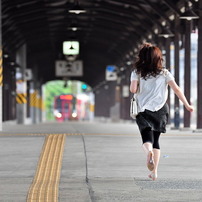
(133, 86)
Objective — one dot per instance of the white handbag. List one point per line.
(133, 107)
(134, 104)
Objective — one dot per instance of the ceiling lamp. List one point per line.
(76, 9)
(166, 33)
(73, 26)
(189, 13)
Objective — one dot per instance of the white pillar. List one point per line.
(21, 96)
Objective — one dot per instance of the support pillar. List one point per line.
(43, 104)
(37, 107)
(199, 91)
(28, 100)
(33, 97)
(187, 72)
(177, 72)
(125, 96)
(104, 99)
(1, 69)
(39, 104)
(115, 110)
(21, 97)
(168, 67)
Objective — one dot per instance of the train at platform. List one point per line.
(71, 107)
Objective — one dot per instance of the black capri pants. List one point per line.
(152, 124)
(152, 137)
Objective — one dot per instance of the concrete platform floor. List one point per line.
(102, 162)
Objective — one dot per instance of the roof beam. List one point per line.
(150, 17)
(172, 6)
(158, 11)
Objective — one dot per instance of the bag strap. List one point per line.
(165, 72)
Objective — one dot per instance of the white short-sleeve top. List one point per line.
(153, 92)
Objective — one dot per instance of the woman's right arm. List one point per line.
(180, 95)
(133, 86)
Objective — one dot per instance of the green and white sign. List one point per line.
(70, 47)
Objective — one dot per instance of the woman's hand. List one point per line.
(189, 108)
(180, 95)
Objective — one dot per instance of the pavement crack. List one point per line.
(89, 186)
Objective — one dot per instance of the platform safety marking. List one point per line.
(21, 98)
(39, 134)
(45, 185)
(33, 99)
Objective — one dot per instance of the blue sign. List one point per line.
(111, 73)
(111, 68)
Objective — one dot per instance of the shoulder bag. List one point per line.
(133, 107)
(133, 103)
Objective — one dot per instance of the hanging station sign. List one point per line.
(65, 68)
(70, 47)
(111, 73)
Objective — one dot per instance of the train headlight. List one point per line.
(74, 114)
(58, 115)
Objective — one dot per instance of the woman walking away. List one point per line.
(150, 81)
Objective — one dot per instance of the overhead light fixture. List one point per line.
(189, 13)
(12, 63)
(6, 55)
(166, 33)
(122, 69)
(128, 63)
(74, 27)
(76, 9)
(149, 36)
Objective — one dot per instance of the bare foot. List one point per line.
(153, 176)
(150, 160)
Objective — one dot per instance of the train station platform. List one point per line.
(96, 161)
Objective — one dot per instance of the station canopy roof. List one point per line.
(109, 31)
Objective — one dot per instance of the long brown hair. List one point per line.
(149, 61)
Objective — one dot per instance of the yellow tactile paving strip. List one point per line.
(44, 187)
(37, 134)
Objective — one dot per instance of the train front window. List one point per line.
(66, 107)
(58, 105)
